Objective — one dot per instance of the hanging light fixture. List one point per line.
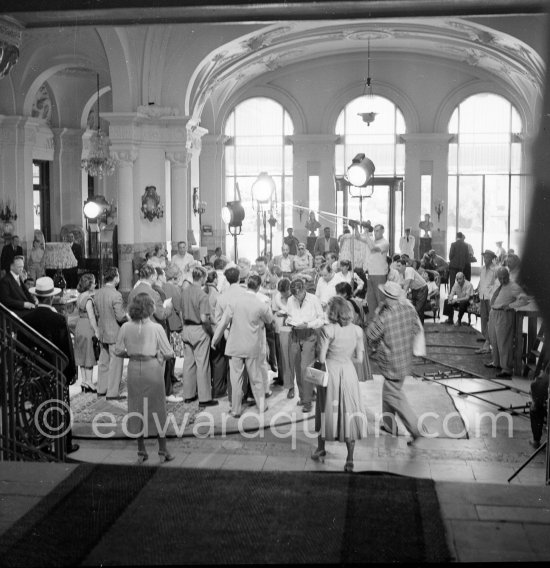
(370, 115)
(98, 161)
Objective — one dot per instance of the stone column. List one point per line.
(313, 153)
(67, 176)
(432, 148)
(126, 209)
(179, 189)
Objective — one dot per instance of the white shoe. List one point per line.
(174, 398)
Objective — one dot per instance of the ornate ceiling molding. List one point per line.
(227, 69)
(10, 42)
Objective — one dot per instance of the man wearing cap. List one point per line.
(406, 243)
(459, 257)
(485, 290)
(53, 326)
(392, 331)
(13, 292)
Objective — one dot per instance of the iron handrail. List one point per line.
(34, 405)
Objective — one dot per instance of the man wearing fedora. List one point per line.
(53, 326)
(485, 289)
(392, 330)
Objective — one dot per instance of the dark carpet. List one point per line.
(130, 515)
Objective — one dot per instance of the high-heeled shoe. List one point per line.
(142, 457)
(349, 466)
(87, 388)
(318, 454)
(166, 456)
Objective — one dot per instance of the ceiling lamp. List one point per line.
(370, 115)
(98, 161)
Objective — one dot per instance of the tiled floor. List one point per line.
(486, 517)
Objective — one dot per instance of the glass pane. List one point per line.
(313, 189)
(496, 211)
(470, 207)
(451, 212)
(36, 208)
(398, 221)
(425, 195)
(520, 185)
(35, 174)
(377, 208)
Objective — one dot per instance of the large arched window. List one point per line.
(257, 130)
(486, 188)
(380, 141)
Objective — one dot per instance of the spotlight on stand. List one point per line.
(233, 216)
(96, 209)
(361, 171)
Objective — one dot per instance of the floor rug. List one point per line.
(127, 515)
(431, 403)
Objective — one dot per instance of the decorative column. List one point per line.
(211, 184)
(179, 189)
(66, 177)
(313, 155)
(422, 150)
(126, 211)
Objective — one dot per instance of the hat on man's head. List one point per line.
(392, 290)
(44, 288)
(460, 235)
(489, 253)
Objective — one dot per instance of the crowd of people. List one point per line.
(243, 328)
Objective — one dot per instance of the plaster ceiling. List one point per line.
(275, 47)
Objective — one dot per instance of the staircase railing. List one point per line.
(34, 413)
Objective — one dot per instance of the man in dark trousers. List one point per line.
(459, 258)
(13, 292)
(53, 326)
(10, 250)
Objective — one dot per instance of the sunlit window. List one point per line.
(257, 130)
(485, 178)
(380, 141)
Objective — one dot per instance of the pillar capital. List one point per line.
(179, 158)
(125, 157)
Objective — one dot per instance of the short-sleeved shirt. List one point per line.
(194, 303)
(417, 281)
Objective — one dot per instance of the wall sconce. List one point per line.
(199, 207)
(7, 212)
(439, 209)
(150, 204)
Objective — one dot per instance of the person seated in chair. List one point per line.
(433, 292)
(537, 409)
(459, 297)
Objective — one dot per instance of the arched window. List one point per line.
(257, 130)
(486, 187)
(380, 141)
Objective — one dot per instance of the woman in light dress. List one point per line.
(343, 289)
(35, 263)
(86, 329)
(145, 344)
(339, 411)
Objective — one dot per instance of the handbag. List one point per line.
(176, 342)
(419, 344)
(97, 347)
(317, 374)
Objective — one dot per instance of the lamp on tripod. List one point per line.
(263, 190)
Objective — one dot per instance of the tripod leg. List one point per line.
(529, 459)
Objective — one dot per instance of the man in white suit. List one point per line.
(406, 243)
(247, 316)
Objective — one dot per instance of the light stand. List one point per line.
(263, 190)
(272, 222)
(233, 215)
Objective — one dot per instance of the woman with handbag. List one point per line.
(339, 411)
(146, 345)
(85, 332)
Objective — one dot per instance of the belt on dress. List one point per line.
(189, 322)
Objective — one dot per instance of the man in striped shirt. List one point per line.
(393, 329)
